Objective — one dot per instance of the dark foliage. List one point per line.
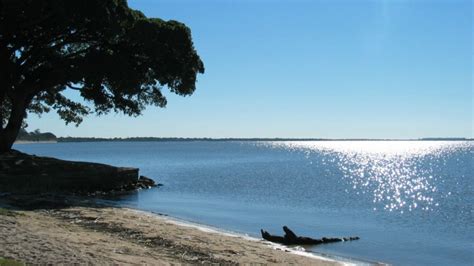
(116, 58)
(36, 135)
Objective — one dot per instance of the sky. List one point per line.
(311, 69)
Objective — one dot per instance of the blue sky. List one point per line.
(322, 69)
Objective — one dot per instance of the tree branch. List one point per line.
(69, 85)
(75, 38)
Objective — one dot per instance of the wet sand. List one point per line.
(107, 235)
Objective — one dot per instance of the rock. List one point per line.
(4, 166)
(20, 171)
(142, 182)
(28, 173)
(145, 181)
(291, 238)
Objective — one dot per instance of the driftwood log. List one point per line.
(291, 238)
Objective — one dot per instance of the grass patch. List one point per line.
(9, 262)
(6, 212)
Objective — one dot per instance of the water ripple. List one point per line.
(388, 170)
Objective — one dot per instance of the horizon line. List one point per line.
(260, 138)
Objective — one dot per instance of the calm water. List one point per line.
(411, 202)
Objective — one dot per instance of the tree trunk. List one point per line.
(10, 132)
(2, 102)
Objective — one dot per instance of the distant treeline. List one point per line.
(144, 139)
(35, 136)
(445, 139)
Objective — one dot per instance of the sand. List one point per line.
(107, 235)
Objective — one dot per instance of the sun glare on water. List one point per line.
(389, 170)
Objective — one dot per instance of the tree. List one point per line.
(115, 57)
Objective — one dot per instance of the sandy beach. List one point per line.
(108, 235)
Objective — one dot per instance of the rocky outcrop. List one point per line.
(142, 182)
(20, 171)
(290, 238)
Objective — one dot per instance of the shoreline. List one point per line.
(300, 251)
(296, 250)
(34, 142)
(103, 234)
(172, 139)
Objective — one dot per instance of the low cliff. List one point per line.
(20, 171)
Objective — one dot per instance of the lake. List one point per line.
(411, 202)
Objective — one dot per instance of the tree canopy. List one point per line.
(117, 58)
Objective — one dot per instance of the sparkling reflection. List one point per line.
(389, 170)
